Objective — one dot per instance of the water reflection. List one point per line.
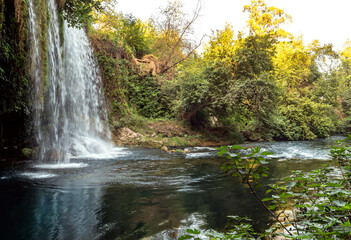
(32, 210)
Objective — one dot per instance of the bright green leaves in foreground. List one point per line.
(248, 167)
(240, 229)
(312, 205)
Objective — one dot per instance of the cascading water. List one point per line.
(84, 99)
(71, 118)
(87, 102)
(35, 63)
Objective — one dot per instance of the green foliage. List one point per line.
(199, 91)
(320, 199)
(115, 82)
(247, 167)
(307, 118)
(256, 101)
(133, 33)
(221, 46)
(265, 88)
(239, 228)
(79, 12)
(170, 31)
(254, 56)
(14, 74)
(327, 89)
(145, 95)
(27, 153)
(125, 90)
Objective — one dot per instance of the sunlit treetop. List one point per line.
(345, 53)
(266, 20)
(221, 45)
(292, 63)
(107, 21)
(78, 13)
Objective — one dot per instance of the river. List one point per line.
(137, 193)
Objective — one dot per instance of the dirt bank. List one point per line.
(171, 134)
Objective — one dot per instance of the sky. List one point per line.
(326, 20)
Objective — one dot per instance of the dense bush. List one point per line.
(308, 119)
(145, 95)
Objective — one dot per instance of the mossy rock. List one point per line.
(27, 152)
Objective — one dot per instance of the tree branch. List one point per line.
(192, 51)
(196, 14)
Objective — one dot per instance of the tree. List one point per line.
(79, 12)
(345, 57)
(199, 86)
(256, 100)
(266, 20)
(171, 32)
(292, 64)
(344, 72)
(134, 34)
(253, 56)
(221, 46)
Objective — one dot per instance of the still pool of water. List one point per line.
(136, 193)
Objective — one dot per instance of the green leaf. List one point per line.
(267, 199)
(266, 153)
(347, 224)
(185, 237)
(193, 231)
(237, 147)
(272, 207)
(222, 152)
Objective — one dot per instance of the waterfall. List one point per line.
(35, 64)
(85, 101)
(72, 115)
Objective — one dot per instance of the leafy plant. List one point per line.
(239, 229)
(146, 96)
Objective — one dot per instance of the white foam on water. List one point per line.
(200, 154)
(38, 175)
(205, 148)
(299, 151)
(61, 166)
(109, 153)
(85, 146)
(194, 221)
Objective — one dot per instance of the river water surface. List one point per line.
(137, 193)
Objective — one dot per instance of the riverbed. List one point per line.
(138, 193)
